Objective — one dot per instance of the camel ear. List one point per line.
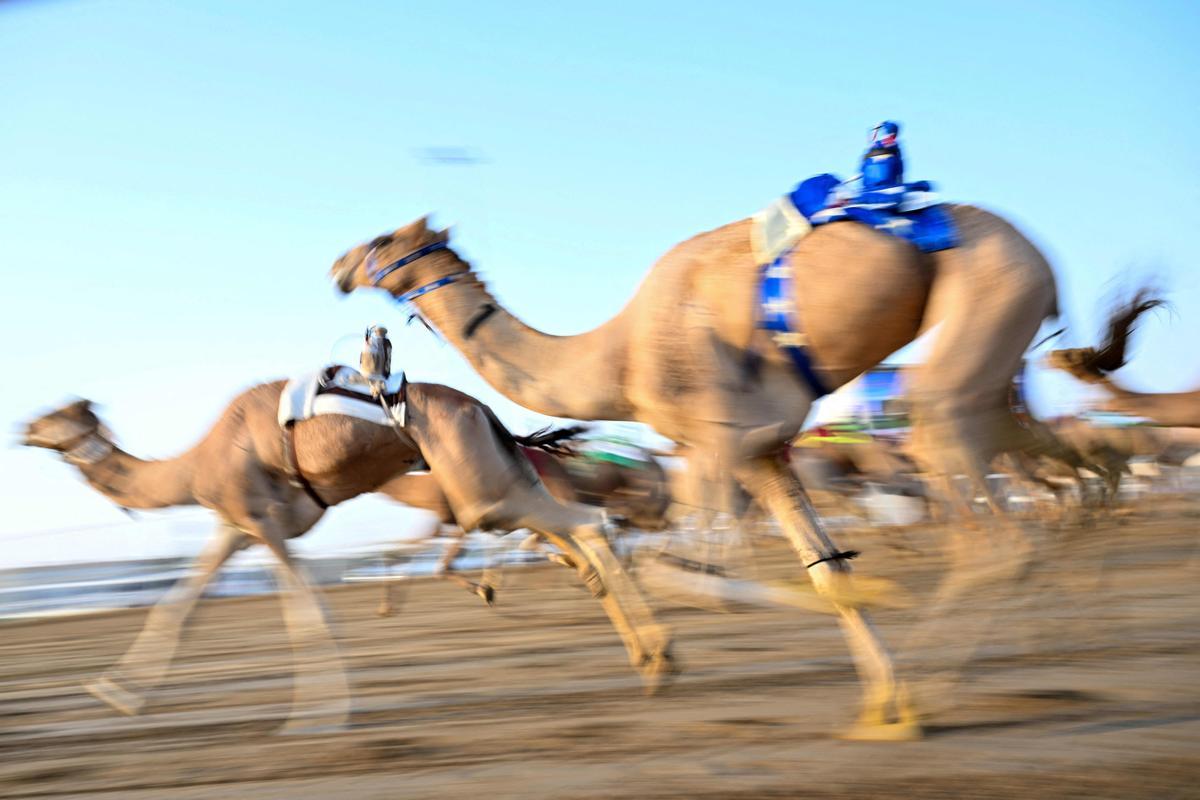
(444, 234)
(412, 229)
(80, 406)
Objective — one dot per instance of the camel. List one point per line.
(638, 493)
(686, 357)
(240, 471)
(1094, 365)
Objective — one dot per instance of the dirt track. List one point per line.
(1088, 687)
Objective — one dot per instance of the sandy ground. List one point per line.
(1088, 687)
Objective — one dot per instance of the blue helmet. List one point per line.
(885, 134)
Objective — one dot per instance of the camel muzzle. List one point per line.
(342, 278)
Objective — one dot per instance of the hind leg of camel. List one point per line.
(423, 491)
(512, 497)
(484, 589)
(990, 296)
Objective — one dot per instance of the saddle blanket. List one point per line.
(910, 211)
(341, 390)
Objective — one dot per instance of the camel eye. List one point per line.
(380, 241)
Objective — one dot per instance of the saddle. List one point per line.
(339, 389)
(342, 390)
(910, 211)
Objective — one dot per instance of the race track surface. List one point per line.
(1087, 686)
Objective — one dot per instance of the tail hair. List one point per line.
(1110, 356)
(553, 440)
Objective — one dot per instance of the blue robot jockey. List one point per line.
(883, 166)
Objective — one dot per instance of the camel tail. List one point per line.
(552, 440)
(547, 439)
(1110, 356)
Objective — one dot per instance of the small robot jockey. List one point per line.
(883, 166)
(375, 363)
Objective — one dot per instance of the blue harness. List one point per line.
(779, 317)
(377, 274)
(929, 227)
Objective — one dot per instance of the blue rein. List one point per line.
(429, 287)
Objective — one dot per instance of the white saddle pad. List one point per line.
(775, 229)
(301, 398)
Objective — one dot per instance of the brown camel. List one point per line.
(1094, 365)
(240, 470)
(686, 357)
(636, 492)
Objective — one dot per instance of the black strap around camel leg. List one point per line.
(289, 449)
(837, 555)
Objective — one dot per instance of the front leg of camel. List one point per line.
(686, 357)
(238, 471)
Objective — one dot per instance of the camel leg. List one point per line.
(582, 540)
(389, 602)
(320, 690)
(495, 487)
(986, 552)
(445, 570)
(145, 663)
(885, 714)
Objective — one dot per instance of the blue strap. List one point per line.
(429, 287)
(778, 316)
(804, 366)
(378, 275)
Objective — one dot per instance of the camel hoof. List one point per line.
(117, 697)
(384, 610)
(900, 731)
(875, 725)
(487, 593)
(658, 672)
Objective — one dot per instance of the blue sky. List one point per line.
(177, 178)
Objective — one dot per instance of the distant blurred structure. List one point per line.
(449, 156)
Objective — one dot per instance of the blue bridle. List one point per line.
(377, 275)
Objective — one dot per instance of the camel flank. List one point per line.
(239, 470)
(1094, 365)
(685, 356)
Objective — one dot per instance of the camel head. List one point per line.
(65, 428)
(1077, 362)
(1093, 364)
(384, 262)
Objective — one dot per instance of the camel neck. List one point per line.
(563, 376)
(1164, 408)
(131, 482)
